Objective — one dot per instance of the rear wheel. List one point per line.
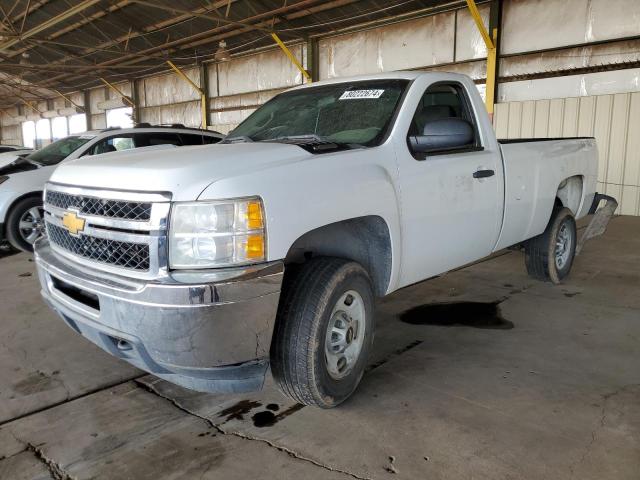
(549, 256)
(324, 332)
(25, 223)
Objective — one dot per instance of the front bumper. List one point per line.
(209, 334)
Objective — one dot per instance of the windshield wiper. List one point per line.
(238, 139)
(312, 142)
(303, 139)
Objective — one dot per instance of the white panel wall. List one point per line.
(530, 25)
(424, 42)
(237, 87)
(614, 120)
(166, 99)
(11, 127)
(616, 81)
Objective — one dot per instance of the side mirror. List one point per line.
(441, 135)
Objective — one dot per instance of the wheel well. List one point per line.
(22, 197)
(569, 193)
(365, 240)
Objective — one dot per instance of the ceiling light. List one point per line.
(222, 54)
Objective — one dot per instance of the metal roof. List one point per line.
(67, 45)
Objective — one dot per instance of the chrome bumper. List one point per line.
(200, 331)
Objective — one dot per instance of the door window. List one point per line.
(113, 144)
(157, 138)
(441, 101)
(195, 139)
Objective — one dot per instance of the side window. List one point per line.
(445, 100)
(158, 138)
(112, 144)
(195, 139)
(439, 101)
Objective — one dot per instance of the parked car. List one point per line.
(205, 273)
(22, 177)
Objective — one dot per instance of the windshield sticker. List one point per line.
(358, 94)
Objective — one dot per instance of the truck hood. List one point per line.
(184, 171)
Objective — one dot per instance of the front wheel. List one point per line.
(324, 332)
(25, 223)
(549, 256)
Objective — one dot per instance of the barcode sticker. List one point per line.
(358, 94)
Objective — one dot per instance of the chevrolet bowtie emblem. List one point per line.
(73, 222)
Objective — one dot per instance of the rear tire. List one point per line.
(25, 223)
(324, 332)
(549, 256)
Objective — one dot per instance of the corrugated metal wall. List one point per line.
(239, 86)
(614, 120)
(167, 99)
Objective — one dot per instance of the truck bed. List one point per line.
(534, 169)
(504, 141)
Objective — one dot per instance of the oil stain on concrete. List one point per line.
(468, 314)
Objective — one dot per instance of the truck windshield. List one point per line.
(58, 151)
(343, 113)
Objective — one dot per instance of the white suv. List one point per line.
(23, 179)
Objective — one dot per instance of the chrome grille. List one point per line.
(120, 232)
(129, 255)
(140, 211)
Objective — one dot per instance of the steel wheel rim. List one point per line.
(564, 242)
(345, 335)
(31, 224)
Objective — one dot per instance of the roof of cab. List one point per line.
(397, 75)
(146, 128)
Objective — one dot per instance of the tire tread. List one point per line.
(303, 298)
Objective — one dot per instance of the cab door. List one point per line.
(451, 199)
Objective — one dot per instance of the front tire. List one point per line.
(324, 332)
(25, 223)
(549, 256)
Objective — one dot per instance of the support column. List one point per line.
(124, 97)
(137, 117)
(495, 24)
(313, 59)
(490, 41)
(204, 87)
(203, 96)
(291, 57)
(87, 109)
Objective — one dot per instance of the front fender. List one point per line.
(317, 191)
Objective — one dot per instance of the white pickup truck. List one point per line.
(207, 265)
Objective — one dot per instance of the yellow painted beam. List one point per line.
(28, 104)
(492, 56)
(490, 86)
(291, 56)
(473, 10)
(119, 92)
(68, 99)
(203, 96)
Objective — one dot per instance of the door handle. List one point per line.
(483, 173)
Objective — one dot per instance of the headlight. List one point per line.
(217, 234)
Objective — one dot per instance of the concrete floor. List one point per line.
(546, 386)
